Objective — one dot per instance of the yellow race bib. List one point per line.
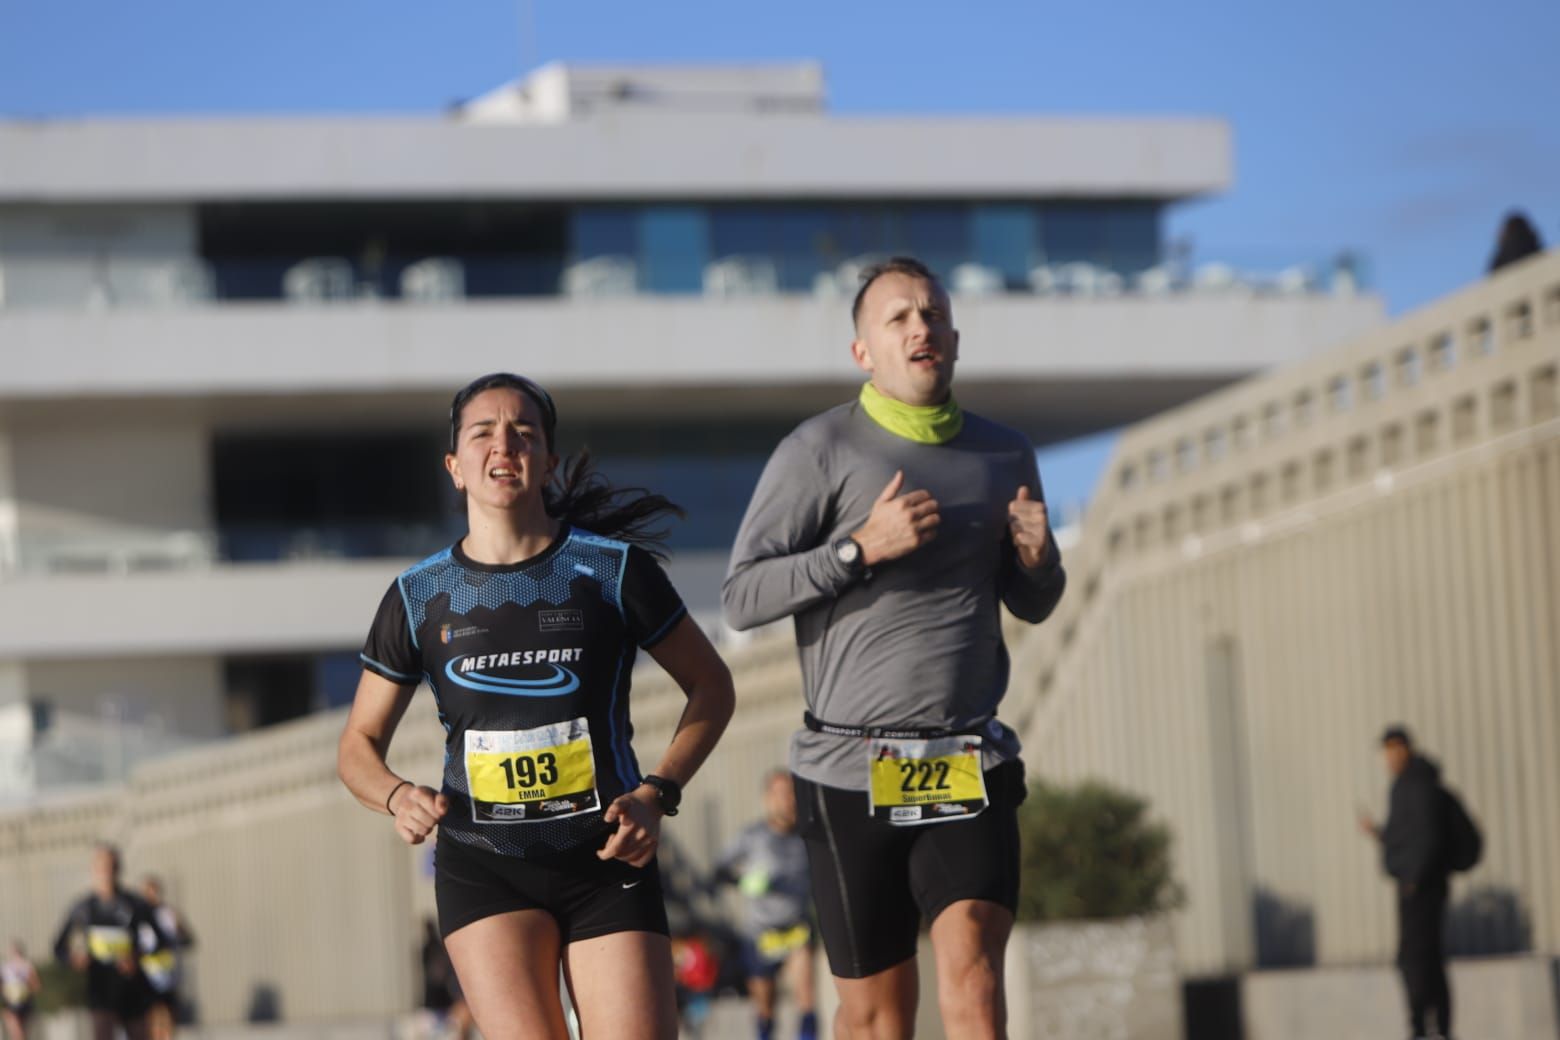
(546, 773)
(925, 781)
(107, 944)
(777, 943)
(159, 969)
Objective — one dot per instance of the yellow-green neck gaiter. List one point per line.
(924, 424)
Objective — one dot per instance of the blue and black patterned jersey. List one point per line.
(530, 665)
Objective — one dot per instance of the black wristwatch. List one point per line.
(848, 551)
(667, 792)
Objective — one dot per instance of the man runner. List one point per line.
(891, 528)
(101, 937)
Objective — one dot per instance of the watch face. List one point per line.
(847, 550)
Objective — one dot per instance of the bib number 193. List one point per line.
(525, 771)
(516, 776)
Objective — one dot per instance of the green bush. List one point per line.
(1091, 853)
(62, 987)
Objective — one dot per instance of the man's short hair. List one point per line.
(893, 265)
(1396, 735)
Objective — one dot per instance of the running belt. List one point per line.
(837, 729)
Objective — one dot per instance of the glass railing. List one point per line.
(327, 281)
(88, 554)
(281, 543)
(110, 553)
(75, 750)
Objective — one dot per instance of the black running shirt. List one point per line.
(530, 665)
(110, 932)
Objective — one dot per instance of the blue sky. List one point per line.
(1401, 130)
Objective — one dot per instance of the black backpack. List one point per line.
(1464, 843)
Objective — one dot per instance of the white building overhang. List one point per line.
(640, 156)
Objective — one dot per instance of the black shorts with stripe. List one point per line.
(873, 883)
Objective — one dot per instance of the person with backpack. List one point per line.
(1426, 836)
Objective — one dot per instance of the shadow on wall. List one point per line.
(265, 1003)
(1285, 931)
(1488, 921)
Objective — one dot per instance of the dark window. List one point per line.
(502, 249)
(1120, 236)
(262, 691)
(1005, 240)
(265, 690)
(360, 495)
(674, 246)
(598, 231)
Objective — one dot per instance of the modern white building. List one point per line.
(227, 346)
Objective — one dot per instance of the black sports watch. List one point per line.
(848, 551)
(668, 793)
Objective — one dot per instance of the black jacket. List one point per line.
(1413, 842)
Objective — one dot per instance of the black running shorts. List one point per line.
(126, 997)
(873, 883)
(587, 896)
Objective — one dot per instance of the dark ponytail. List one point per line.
(583, 498)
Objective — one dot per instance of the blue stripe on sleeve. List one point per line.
(387, 671)
(660, 633)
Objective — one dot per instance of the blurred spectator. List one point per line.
(1413, 847)
(19, 984)
(696, 972)
(768, 864)
(1518, 240)
(160, 959)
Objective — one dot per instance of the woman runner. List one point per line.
(527, 629)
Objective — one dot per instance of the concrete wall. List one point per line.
(177, 694)
(17, 769)
(83, 491)
(236, 608)
(257, 349)
(65, 724)
(1495, 999)
(10, 511)
(1252, 601)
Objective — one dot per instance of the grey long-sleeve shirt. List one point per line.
(919, 643)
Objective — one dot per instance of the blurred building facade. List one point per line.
(1264, 579)
(1266, 576)
(229, 346)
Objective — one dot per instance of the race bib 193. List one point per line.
(925, 781)
(546, 773)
